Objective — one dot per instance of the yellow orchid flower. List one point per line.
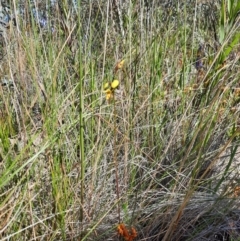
(106, 86)
(115, 84)
(109, 88)
(109, 94)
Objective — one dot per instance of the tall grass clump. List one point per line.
(119, 120)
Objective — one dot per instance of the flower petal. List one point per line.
(115, 84)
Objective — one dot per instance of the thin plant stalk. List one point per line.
(81, 131)
(81, 139)
(115, 156)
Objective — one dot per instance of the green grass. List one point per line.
(161, 156)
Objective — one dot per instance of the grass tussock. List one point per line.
(119, 120)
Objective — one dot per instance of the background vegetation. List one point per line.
(160, 156)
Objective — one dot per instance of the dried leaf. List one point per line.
(127, 235)
(119, 65)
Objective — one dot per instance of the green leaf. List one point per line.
(221, 33)
(223, 14)
(231, 45)
(235, 9)
(230, 3)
